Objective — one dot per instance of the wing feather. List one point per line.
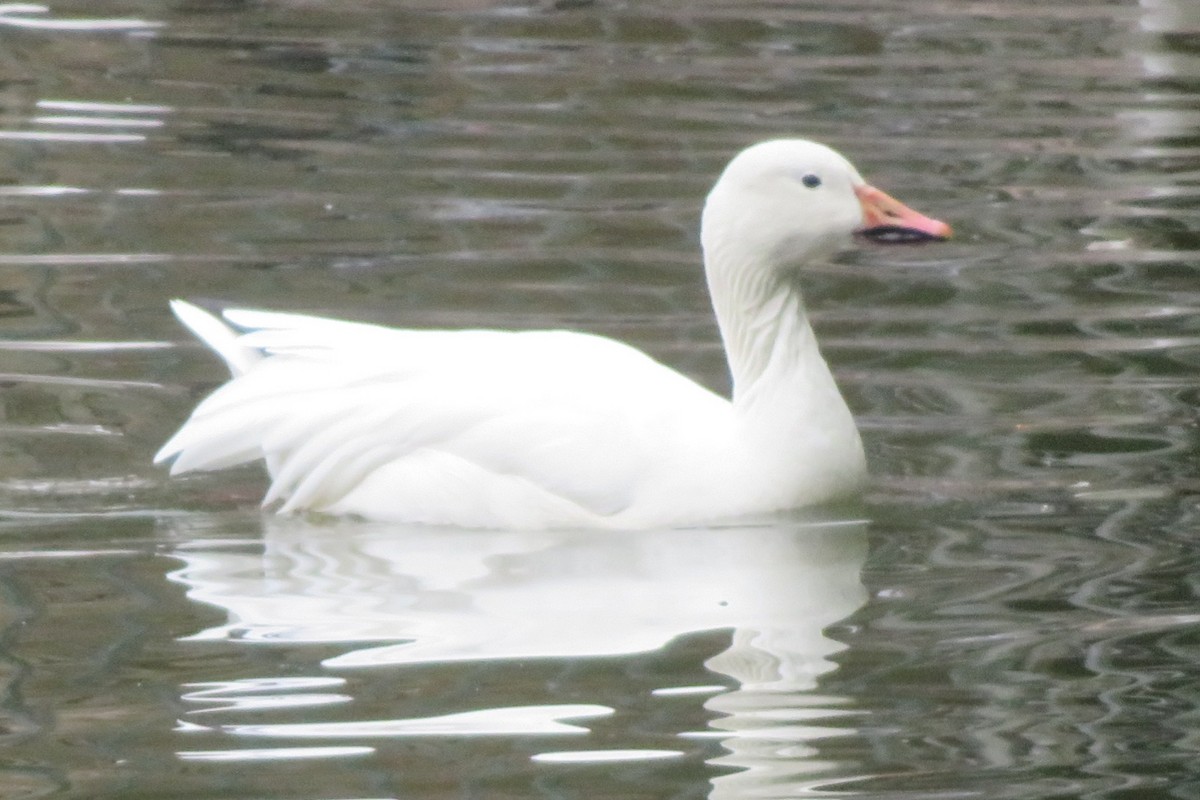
(548, 418)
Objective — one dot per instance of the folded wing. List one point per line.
(463, 427)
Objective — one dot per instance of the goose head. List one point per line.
(785, 202)
(777, 206)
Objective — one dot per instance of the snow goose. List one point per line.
(559, 429)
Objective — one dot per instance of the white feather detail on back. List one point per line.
(356, 418)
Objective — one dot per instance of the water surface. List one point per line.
(1012, 613)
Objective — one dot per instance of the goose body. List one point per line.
(550, 429)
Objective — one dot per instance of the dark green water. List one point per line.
(1013, 612)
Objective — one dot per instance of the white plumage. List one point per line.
(544, 429)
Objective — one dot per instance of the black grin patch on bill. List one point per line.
(898, 234)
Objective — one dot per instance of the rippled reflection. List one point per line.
(392, 596)
(38, 17)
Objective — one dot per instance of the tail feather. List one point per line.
(223, 339)
(214, 443)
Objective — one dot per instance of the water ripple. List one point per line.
(514, 721)
(273, 754)
(28, 16)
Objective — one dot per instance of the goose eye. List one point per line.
(811, 181)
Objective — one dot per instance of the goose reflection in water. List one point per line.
(401, 597)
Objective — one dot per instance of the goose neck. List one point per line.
(764, 327)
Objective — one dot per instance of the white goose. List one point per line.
(553, 429)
